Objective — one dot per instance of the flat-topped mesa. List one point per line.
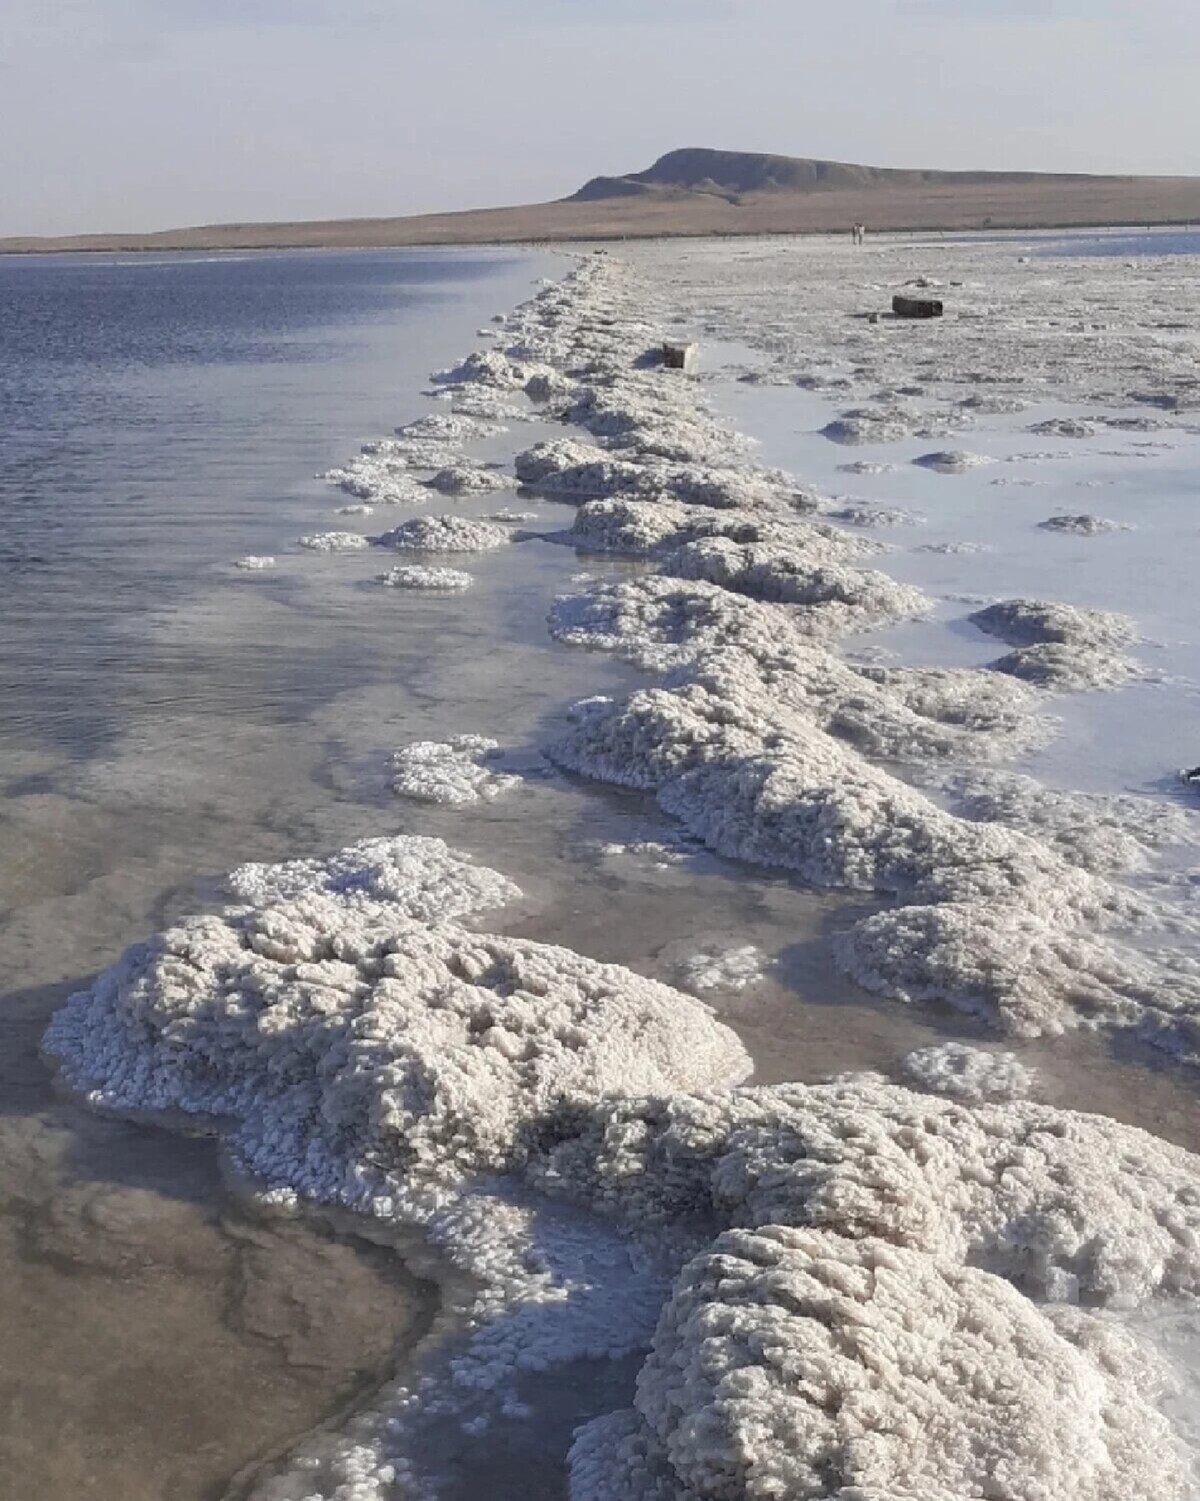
(732, 174)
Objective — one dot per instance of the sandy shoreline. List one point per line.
(766, 730)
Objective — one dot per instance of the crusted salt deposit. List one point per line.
(781, 1350)
(864, 513)
(415, 877)
(952, 461)
(722, 969)
(359, 509)
(1083, 525)
(444, 534)
(867, 466)
(255, 563)
(334, 542)
(966, 1073)
(953, 549)
(467, 477)
(455, 772)
(419, 576)
(1059, 645)
(1064, 427)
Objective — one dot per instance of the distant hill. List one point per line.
(696, 191)
(735, 174)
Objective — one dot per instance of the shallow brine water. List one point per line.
(169, 714)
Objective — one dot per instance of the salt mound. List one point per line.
(1060, 645)
(952, 461)
(359, 509)
(444, 534)
(866, 466)
(965, 1073)
(453, 772)
(722, 969)
(953, 549)
(794, 1363)
(419, 878)
(419, 576)
(993, 404)
(1082, 526)
(255, 563)
(352, 1050)
(466, 477)
(334, 542)
(1064, 427)
(442, 427)
(873, 425)
(863, 513)
(781, 572)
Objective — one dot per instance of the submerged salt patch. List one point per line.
(722, 969)
(444, 534)
(454, 772)
(334, 542)
(419, 576)
(255, 563)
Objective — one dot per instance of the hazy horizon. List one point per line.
(135, 115)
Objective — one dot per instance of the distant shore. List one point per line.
(1052, 204)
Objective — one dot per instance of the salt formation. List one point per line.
(863, 513)
(1058, 645)
(413, 876)
(255, 563)
(965, 1073)
(781, 1350)
(722, 969)
(360, 509)
(873, 425)
(334, 542)
(1064, 427)
(952, 461)
(453, 772)
(910, 1295)
(419, 576)
(953, 549)
(444, 534)
(465, 477)
(866, 466)
(1082, 526)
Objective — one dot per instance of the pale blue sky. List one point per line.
(140, 114)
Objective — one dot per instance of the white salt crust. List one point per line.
(444, 534)
(1084, 525)
(452, 772)
(334, 542)
(255, 563)
(420, 576)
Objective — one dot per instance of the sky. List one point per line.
(146, 114)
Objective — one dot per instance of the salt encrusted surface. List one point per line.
(359, 509)
(444, 534)
(965, 1073)
(255, 563)
(1064, 427)
(794, 1363)
(420, 576)
(889, 1300)
(454, 772)
(416, 877)
(334, 542)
